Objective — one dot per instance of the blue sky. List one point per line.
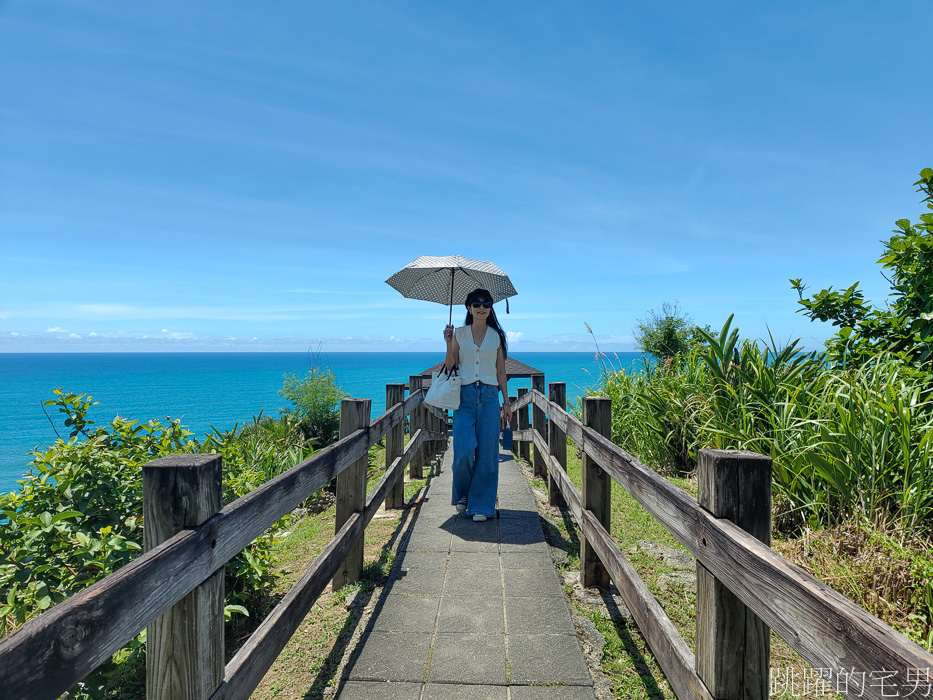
(237, 175)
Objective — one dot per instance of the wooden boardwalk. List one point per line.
(471, 610)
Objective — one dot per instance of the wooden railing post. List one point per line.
(395, 443)
(733, 644)
(537, 421)
(596, 491)
(556, 442)
(351, 489)
(523, 450)
(513, 425)
(416, 466)
(435, 444)
(184, 645)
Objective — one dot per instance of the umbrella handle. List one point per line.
(450, 320)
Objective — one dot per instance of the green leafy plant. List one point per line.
(904, 326)
(77, 517)
(667, 333)
(315, 399)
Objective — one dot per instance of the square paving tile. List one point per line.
(515, 514)
(524, 531)
(437, 517)
(531, 582)
(419, 542)
(525, 503)
(545, 615)
(466, 529)
(417, 560)
(471, 614)
(458, 545)
(416, 581)
(513, 488)
(469, 659)
(461, 562)
(389, 656)
(552, 692)
(480, 581)
(547, 658)
(379, 690)
(527, 560)
(406, 613)
(453, 691)
(532, 548)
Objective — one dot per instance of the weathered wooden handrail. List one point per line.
(827, 629)
(53, 651)
(248, 666)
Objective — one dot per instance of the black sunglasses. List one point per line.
(484, 304)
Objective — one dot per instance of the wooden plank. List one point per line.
(416, 466)
(351, 489)
(672, 653)
(566, 422)
(538, 423)
(52, 652)
(185, 644)
(733, 644)
(523, 400)
(395, 440)
(557, 442)
(524, 451)
(566, 487)
(392, 475)
(596, 491)
(526, 435)
(828, 630)
(248, 667)
(668, 647)
(251, 662)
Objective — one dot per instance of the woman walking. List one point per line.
(479, 349)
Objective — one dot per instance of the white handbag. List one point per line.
(444, 391)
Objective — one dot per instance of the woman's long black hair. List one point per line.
(492, 321)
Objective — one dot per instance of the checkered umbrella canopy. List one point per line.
(448, 280)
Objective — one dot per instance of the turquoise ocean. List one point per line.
(205, 389)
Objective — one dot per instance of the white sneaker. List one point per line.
(462, 505)
(479, 518)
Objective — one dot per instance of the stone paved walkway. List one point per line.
(471, 610)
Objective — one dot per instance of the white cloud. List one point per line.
(55, 329)
(74, 335)
(513, 336)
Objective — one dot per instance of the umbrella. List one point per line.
(449, 279)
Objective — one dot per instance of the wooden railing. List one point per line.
(743, 587)
(176, 587)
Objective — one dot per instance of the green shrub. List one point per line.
(315, 399)
(78, 517)
(667, 333)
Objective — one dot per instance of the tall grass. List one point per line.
(843, 441)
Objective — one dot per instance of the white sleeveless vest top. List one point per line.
(478, 363)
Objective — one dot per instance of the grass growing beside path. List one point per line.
(628, 661)
(309, 663)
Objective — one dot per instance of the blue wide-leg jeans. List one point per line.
(476, 449)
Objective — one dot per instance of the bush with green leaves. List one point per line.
(315, 399)
(667, 333)
(78, 517)
(904, 326)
